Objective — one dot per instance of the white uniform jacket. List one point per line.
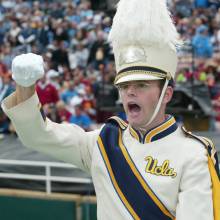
(170, 168)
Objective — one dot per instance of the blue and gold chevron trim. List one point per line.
(213, 169)
(123, 125)
(130, 186)
(162, 130)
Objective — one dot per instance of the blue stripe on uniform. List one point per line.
(140, 201)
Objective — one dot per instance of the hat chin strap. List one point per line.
(157, 107)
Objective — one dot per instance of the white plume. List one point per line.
(143, 22)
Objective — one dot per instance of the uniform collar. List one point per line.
(156, 133)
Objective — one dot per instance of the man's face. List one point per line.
(139, 99)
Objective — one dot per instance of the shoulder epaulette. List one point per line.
(208, 144)
(205, 141)
(122, 124)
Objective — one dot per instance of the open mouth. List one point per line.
(133, 107)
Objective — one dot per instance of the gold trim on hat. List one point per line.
(156, 74)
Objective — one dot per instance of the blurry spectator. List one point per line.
(44, 35)
(6, 86)
(51, 112)
(63, 113)
(3, 69)
(2, 32)
(211, 83)
(79, 56)
(53, 78)
(216, 106)
(92, 74)
(46, 91)
(69, 92)
(106, 96)
(86, 9)
(183, 8)
(106, 24)
(201, 43)
(13, 33)
(88, 102)
(181, 78)
(80, 80)
(78, 99)
(202, 77)
(85, 98)
(27, 35)
(80, 38)
(105, 92)
(56, 10)
(99, 52)
(211, 72)
(72, 14)
(7, 55)
(217, 39)
(60, 55)
(81, 119)
(217, 17)
(201, 3)
(214, 3)
(60, 31)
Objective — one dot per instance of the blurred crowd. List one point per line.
(79, 63)
(198, 22)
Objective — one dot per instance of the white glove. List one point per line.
(27, 69)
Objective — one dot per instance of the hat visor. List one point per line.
(136, 77)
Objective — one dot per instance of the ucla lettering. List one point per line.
(163, 170)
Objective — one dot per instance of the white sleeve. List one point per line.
(195, 197)
(65, 142)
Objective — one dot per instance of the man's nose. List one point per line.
(131, 90)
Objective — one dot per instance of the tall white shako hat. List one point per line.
(144, 41)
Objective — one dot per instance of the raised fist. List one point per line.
(27, 69)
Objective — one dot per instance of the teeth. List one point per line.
(132, 103)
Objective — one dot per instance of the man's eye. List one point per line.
(123, 86)
(142, 85)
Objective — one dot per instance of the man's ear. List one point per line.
(168, 95)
